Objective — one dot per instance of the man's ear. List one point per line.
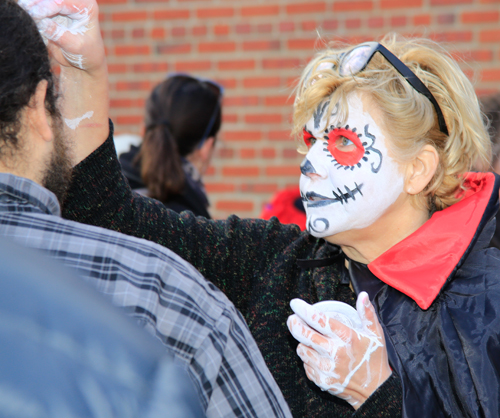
(36, 113)
(421, 170)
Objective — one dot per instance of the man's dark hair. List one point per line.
(24, 62)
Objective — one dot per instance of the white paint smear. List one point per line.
(73, 123)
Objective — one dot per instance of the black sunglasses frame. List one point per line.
(408, 74)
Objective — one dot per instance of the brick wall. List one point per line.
(256, 49)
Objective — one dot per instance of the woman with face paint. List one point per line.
(396, 226)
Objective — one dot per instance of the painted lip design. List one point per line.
(314, 200)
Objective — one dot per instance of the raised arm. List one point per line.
(71, 28)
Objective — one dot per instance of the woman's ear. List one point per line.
(420, 171)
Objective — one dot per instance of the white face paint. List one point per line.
(348, 179)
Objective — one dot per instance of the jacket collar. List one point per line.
(420, 265)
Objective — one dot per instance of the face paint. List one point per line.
(348, 178)
(73, 123)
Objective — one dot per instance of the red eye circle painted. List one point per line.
(348, 158)
(307, 138)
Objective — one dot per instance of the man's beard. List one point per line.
(57, 176)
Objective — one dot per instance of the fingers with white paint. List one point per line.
(343, 349)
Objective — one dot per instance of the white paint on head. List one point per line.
(73, 123)
(348, 178)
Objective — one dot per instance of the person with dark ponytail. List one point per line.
(183, 117)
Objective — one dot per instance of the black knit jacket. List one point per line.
(254, 262)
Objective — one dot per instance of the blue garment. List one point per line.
(67, 352)
(164, 293)
(443, 336)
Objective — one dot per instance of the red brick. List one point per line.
(459, 36)
(248, 153)
(349, 6)
(174, 49)
(178, 31)
(309, 25)
(117, 68)
(132, 50)
(236, 65)
(256, 82)
(129, 16)
(217, 47)
(150, 67)
(241, 101)
(261, 45)
(446, 19)
(125, 103)
(484, 55)
(227, 83)
(242, 135)
(199, 30)
(229, 118)
(102, 2)
(219, 187)
(240, 171)
(232, 206)
(302, 44)
(489, 1)
(278, 101)
(286, 26)
(133, 85)
(158, 33)
(221, 29)
(171, 14)
(291, 153)
(330, 24)
(422, 20)
(490, 75)
(393, 4)
(450, 2)
(265, 28)
(187, 66)
(273, 63)
(215, 12)
(302, 8)
(375, 22)
(286, 170)
(492, 35)
(138, 33)
(259, 188)
(260, 11)
(268, 153)
(129, 120)
(224, 152)
(480, 17)
(279, 135)
(148, 1)
(397, 21)
(117, 34)
(263, 118)
(353, 23)
(243, 28)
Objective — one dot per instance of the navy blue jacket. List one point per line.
(438, 299)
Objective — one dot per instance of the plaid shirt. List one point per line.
(166, 295)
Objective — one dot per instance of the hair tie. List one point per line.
(165, 123)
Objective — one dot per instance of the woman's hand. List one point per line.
(348, 363)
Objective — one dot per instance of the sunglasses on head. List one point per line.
(356, 60)
(216, 88)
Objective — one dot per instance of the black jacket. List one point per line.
(193, 197)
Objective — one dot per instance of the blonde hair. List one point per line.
(410, 119)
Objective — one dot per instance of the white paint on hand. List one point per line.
(73, 123)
